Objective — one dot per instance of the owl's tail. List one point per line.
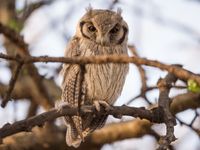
(71, 137)
(75, 135)
(78, 130)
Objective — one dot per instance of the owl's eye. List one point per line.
(115, 29)
(91, 28)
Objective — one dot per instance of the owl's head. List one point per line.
(103, 27)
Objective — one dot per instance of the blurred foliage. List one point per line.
(15, 25)
(193, 86)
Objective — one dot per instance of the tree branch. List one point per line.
(35, 77)
(28, 124)
(142, 76)
(14, 37)
(11, 85)
(53, 138)
(164, 105)
(123, 130)
(179, 72)
(184, 101)
(34, 6)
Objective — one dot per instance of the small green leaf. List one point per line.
(193, 86)
(15, 25)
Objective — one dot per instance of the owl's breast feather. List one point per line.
(105, 82)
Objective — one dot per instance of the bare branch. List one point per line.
(34, 6)
(17, 39)
(164, 105)
(123, 130)
(142, 76)
(28, 124)
(184, 101)
(197, 131)
(14, 37)
(32, 109)
(114, 2)
(11, 85)
(179, 72)
(54, 138)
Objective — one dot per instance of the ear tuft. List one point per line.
(119, 11)
(89, 9)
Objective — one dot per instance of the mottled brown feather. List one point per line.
(103, 82)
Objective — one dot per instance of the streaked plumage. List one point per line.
(99, 32)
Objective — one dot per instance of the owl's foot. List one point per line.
(97, 104)
(59, 105)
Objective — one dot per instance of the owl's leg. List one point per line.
(97, 104)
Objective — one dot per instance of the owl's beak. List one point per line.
(102, 39)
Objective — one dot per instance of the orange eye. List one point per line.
(92, 28)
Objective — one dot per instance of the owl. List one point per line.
(99, 32)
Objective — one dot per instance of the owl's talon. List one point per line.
(59, 105)
(103, 103)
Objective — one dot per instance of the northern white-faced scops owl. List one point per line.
(99, 32)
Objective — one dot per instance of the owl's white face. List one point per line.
(104, 27)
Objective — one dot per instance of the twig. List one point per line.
(164, 105)
(32, 109)
(28, 10)
(14, 37)
(195, 117)
(142, 76)
(140, 94)
(17, 39)
(179, 72)
(197, 131)
(13, 80)
(114, 2)
(150, 88)
(28, 124)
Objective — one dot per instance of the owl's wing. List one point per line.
(71, 75)
(71, 94)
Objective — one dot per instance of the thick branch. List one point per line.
(184, 101)
(28, 124)
(123, 130)
(54, 138)
(164, 105)
(179, 72)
